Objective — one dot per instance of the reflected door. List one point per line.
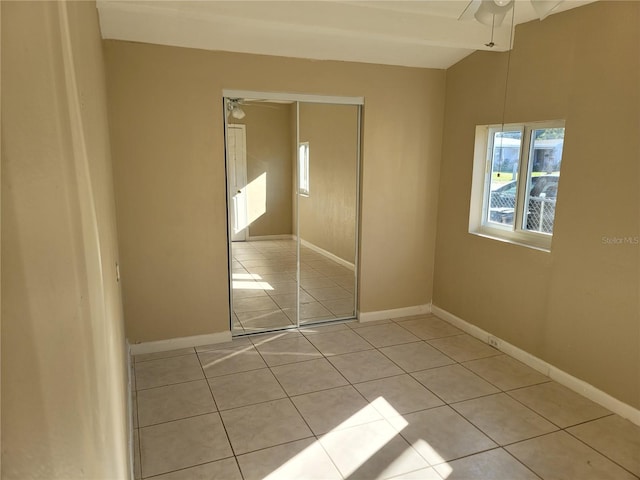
(237, 164)
(263, 285)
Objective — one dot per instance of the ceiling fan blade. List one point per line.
(470, 10)
(491, 14)
(487, 12)
(544, 8)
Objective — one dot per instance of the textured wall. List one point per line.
(64, 404)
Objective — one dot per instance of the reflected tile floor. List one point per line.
(434, 405)
(264, 286)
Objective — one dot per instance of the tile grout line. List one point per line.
(300, 413)
(500, 391)
(521, 462)
(399, 434)
(540, 414)
(186, 468)
(233, 452)
(566, 430)
(181, 418)
(168, 385)
(317, 436)
(321, 275)
(163, 358)
(506, 392)
(405, 372)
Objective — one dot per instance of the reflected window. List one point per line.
(303, 169)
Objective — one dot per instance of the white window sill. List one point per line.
(534, 241)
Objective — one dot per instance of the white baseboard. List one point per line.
(181, 342)
(394, 313)
(130, 409)
(328, 254)
(258, 238)
(579, 386)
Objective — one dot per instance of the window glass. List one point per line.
(545, 157)
(303, 168)
(505, 162)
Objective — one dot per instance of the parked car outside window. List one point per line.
(541, 203)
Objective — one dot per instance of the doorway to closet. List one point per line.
(293, 169)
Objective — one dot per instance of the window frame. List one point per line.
(303, 170)
(481, 186)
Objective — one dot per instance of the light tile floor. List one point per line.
(410, 398)
(264, 286)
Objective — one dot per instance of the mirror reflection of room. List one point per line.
(327, 211)
(268, 211)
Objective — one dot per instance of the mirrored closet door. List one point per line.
(292, 182)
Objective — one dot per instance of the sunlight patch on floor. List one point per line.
(361, 450)
(246, 276)
(251, 285)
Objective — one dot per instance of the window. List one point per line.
(303, 169)
(515, 182)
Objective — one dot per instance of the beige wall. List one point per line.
(63, 358)
(167, 141)
(578, 306)
(269, 154)
(328, 214)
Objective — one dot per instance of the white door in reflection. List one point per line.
(237, 151)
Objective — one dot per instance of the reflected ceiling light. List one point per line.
(233, 107)
(238, 113)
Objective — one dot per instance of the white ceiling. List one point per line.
(416, 33)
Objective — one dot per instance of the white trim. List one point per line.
(181, 342)
(259, 238)
(364, 317)
(579, 386)
(328, 254)
(296, 218)
(293, 97)
(131, 411)
(357, 236)
(485, 232)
